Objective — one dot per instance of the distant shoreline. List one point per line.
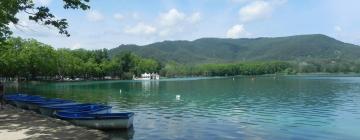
(197, 77)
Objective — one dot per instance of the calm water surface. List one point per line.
(287, 107)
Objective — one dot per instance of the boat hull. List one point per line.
(10, 99)
(62, 104)
(48, 111)
(92, 112)
(21, 104)
(11, 102)
(105, 123)
(36, 106)
(33, 107)
(99, 121)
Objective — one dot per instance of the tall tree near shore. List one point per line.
(39, 14)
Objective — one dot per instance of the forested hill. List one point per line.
(217, 50)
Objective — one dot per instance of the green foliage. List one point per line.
(30, 59)
(132, 64)
(215, 50)
(27, 58)
(327, 66)
(244, 68)
(41, 14)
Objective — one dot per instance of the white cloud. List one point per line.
(94, 16)
(195, 17)
(118, 17)
(258, 10)
(255, 10)
(141, 29)
(171, 18)
(338, 28)
(42, 2)
(175, 21)
(237, 31)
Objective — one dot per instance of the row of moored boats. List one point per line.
(90, 115)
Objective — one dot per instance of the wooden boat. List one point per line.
(99, 121)
(36, 105)
(49, 110)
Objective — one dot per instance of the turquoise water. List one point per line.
(285, 107)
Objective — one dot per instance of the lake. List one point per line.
(283, 107)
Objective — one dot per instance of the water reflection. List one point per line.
(149, 85)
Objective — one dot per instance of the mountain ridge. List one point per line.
(220, 50)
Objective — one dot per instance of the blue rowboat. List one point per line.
(22, 102)
(10, 98)
(99, 121)
(49, 110)
(95, 108)
(36, 105)
(13, 95)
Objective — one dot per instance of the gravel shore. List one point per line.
(16, 124)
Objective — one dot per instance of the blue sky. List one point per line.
(110, 23)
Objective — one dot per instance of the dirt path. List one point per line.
(18, 124)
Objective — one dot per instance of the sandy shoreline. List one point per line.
(16, 124)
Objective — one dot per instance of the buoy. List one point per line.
(177, 97)
(233, 78)
(120, 91)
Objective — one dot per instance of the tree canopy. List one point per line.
(31, 60)
(39, 14)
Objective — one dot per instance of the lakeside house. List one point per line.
(147, 76)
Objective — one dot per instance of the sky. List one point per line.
(110, 23)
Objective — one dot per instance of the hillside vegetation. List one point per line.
(218, 50)
(28, 59)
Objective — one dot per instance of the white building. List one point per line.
(147, 76)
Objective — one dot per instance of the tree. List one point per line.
(146, 65)
(68, 64)
(39, 14)
(32, 60)
(10, 62)
(129, 61)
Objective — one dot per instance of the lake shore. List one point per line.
(15, 83)
(18, 124)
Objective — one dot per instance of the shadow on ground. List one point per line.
(22, 124)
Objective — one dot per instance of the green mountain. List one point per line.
(217, 50)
